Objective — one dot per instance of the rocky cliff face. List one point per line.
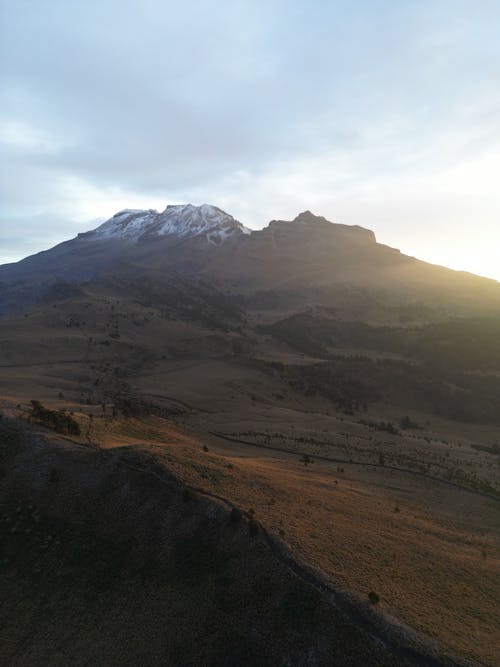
(308, 224)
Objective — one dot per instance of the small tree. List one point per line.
(306, 460)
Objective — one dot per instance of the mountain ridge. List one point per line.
(308, 252)
(182, 221)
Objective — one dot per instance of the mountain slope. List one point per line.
(184, 221)
(135, 568)
(146, 237)
(308, 255)
(303, 342)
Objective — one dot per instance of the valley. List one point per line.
(347, 405)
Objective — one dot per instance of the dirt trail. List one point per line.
(408, 471)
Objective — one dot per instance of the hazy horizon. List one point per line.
(385, 115)
(95, 223)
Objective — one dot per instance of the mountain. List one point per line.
(130, 236)
(165, 363)
(185, 221)
(308, 257)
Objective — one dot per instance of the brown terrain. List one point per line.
(255, 452)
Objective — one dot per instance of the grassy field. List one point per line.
(431, 551)
(393, 497)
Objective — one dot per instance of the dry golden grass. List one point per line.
(430, 551)
(435, 563)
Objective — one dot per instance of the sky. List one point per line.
(379, 113)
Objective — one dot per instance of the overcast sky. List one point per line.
(379, 113)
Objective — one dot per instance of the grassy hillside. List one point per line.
(108, 559)
(362, 437)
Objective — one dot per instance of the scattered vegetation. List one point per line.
(57, 420)
(406, 423)
(380, 426)
(353, 383)
(445, 367)
(458, 343)
(306, 460)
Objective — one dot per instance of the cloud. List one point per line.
(265, 108)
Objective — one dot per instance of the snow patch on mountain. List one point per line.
(126, 224)
(179, 221)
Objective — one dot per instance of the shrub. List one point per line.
(373, 597)
(407, 423)
(306, 460)
(57, 420)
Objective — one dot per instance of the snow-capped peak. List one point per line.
(126, 224)
(180, 221)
